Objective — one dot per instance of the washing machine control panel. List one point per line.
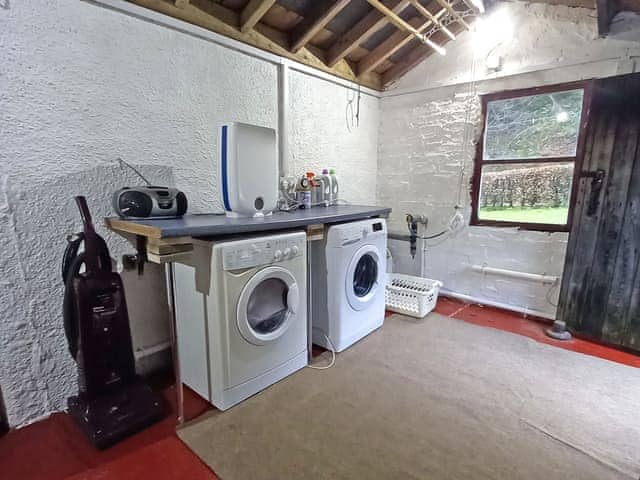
(359, 231)
(262, 252)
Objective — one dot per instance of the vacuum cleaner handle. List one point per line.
(91, 245)
(81, 201)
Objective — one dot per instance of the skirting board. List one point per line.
(514, 308)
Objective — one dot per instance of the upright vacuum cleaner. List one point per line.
(113, 402)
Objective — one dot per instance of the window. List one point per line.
(526, 162)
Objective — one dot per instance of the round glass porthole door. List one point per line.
(363, 277)
(266, 305)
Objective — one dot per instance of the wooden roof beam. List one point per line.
(415, 56)
(222, 20)
(253, 12)
(430, 16)
(395, 42)
(320, 15)
(607, 9)
(361, 31)
(456, 15)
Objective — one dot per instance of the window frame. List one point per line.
(479, 162)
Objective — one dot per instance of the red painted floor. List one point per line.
(61, 451)
(531, 327)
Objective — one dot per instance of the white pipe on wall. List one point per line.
(283, 114)
(491, 303)
(533, 277)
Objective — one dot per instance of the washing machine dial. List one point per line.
(277, 255)
(287, 252)
(294, 251)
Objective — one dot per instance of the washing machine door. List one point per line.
(267, 305)
(363, 277)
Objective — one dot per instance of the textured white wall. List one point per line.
(424, 119)
(319, 136)
(81, 85)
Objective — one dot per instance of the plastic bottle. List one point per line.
(334, 186)
(303, 190)
(317, 192)
(327, 194)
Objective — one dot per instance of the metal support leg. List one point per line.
(171, 296)
(309, 304)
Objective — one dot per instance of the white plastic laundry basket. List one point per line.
(414, 296)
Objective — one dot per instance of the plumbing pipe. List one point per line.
(423, 249)
(534, 277)
(146, 351)
(505, 306)
(399, 236)
(283, 114)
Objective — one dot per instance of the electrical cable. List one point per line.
(455, 223)
(468, 130)
(555, 283)
(332, 350)
(352, 116)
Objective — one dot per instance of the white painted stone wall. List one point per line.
(425, 116)
(81, 85)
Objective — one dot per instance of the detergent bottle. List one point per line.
(326, 188)
(334, 186)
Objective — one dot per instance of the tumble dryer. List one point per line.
(241, 315)
(348, 281)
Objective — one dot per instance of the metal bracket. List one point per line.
(137, 260)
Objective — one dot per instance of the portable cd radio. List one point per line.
(149, 202)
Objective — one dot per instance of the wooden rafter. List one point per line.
(222, 20)
(360, 32)
(322, 13)
(303, 31)
(395, 42)
(253, 12)
(446, 5)
(422, 10)
(607, 9)
(415, 56)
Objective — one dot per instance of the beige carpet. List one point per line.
(435, 399)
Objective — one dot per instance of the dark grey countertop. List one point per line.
(206, 225)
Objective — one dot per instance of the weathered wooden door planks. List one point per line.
(600, 294)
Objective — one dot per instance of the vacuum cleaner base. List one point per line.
(109, 418)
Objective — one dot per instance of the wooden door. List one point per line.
(600, 293)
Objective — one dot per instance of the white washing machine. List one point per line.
(241, 314)
(348, 281)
